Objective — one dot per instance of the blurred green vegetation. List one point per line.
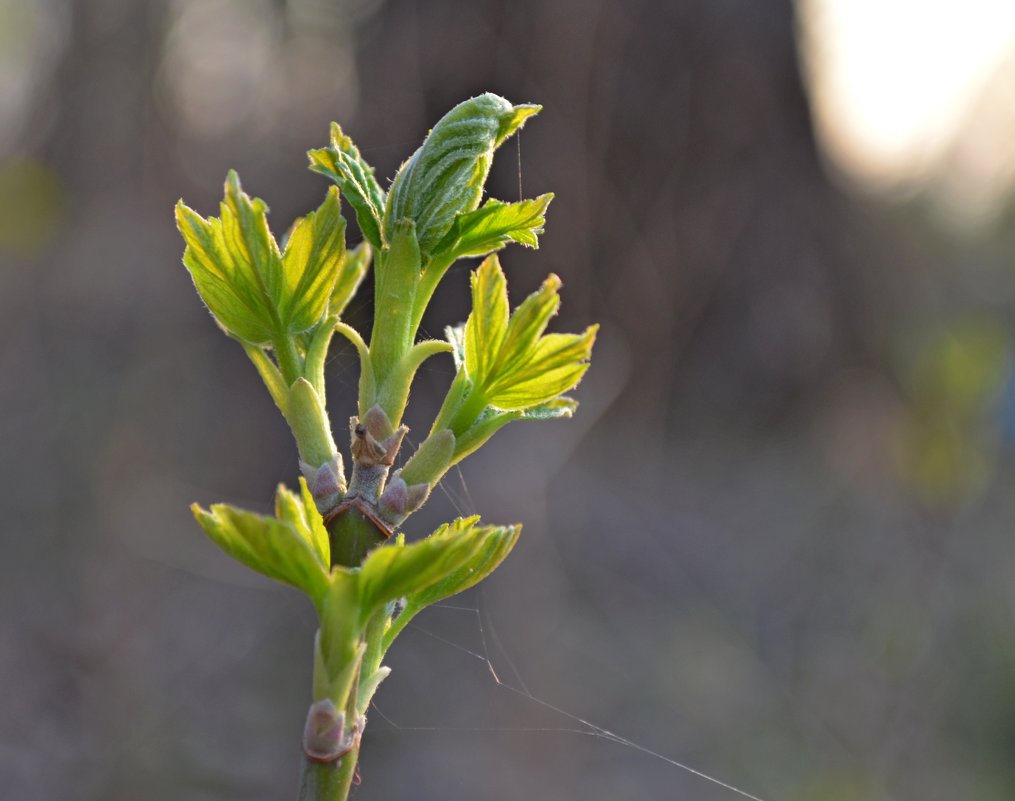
(31, 206)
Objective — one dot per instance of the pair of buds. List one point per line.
(373, 453)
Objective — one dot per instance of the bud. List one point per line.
(324, 736)
(395, 499)
(399, 499)
(445, 176)
(326, 482)
(366, 450)
(323, 733)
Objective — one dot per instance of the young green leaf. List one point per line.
(527, 324)
(272, 547)
(300, 512)
(507, 364)
(311, 261)
(488, 324)
(494, 543)
(492, 420)
(396, 570)
(234, 279)
(255, 292)
(445, 176)
(492, 226)
(341, 161)
(555, 364)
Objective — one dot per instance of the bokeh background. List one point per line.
(778, 541)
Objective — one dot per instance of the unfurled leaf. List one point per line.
(396, 570)
(554, 365)
(507, 364)
(351, 273)
(310, 264)
(488, 323)
(491, 544)
(445, 176)
(341, 161)
(272, 547)
(493, 225)
(527, 324)
(255, 292)
(495, 543)
(235, 264)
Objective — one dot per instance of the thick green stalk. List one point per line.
(289, 360)
(352, 536)
(328, 782)
(428, 282)
(397, 276)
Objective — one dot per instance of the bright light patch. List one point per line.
(893, 82)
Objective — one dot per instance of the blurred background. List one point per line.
(777, 541)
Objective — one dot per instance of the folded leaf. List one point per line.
(396, 570)
(341, 161)
(445, 176)
(493, 225)
(272, 547)
(318, 533)
(300, 512)
(492, 420)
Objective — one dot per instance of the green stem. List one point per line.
(270, 374)
(328, 782)
(431, 277)
(317, 354)
(467, 413)
(396, 278)
(367, 386)
(393, 394)
(289, 360)
(352, 537)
